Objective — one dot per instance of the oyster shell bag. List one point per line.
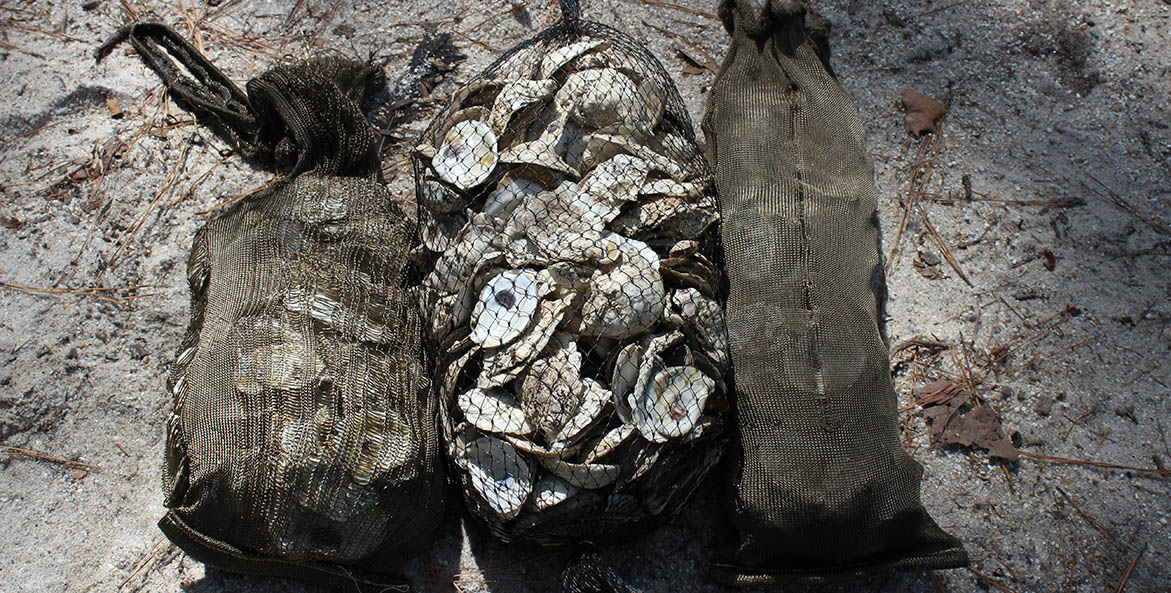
(821, 484)
(302, 440)
(569, 247)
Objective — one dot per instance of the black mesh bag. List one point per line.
(569, 245)
(821, 484)
(302, 440)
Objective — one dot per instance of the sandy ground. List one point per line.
(1052, 104)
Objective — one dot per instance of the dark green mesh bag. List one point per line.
(821, 484)
(570, 274)
(302, 440)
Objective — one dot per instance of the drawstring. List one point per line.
(586, 573)
(570, 15)
(209, 91)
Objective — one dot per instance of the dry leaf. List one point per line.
(11, 223)
(114, 107)
(922, 113)
(954, 420)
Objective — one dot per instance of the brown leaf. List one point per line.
(927, 270)
(954, 421)
(1050, 259)
(114, 107)
(11, 223)
(922, 113)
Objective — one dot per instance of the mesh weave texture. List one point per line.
(302, 440)
(821, 485)
(569, 257)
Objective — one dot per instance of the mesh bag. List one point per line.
(822, 486)
(302, 440)
(569, 246)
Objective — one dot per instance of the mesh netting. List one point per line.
(302, 440)
(569, 252)
(822, 484)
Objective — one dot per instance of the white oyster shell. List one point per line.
(493, 410)
(505, 307)
(600, 97)
(507, 197)
(615, 182)
(502, 365)
(671, 404)
(468, 154)
(499, 475)
(550, 491)
(517, 95)
(609, 442)
(625, 375)
(565, 54)
(588, 413)
(627, 299)
(551, 390)
(583, 475)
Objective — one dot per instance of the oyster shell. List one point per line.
(688, 190)
(528, 447)
(551, 388)
(651, 362)
(672, 403)
(625, 374)
(280, 358)
(561, 56)
(550, 212)
(601, 97)
(588, 412)
(505, 364)
(590, 476)
(499, 475)
(601, 147)
(468, 154)
(628, 298)
(465, 253)
(479, 92)
(615, 182)
(538, 153)
(550, 491)
(508, 196)
(493, 410)
(438, 197)
(608, 443)
(678, 218)
(705, 320)
(505, 307)
(515, 96)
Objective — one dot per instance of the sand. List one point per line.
(1051, 104)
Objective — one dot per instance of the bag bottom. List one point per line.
(742, 576)
(230, 559)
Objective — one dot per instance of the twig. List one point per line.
(95, 292)
(948, 199)
(1130, 570)
(238, 197)
(146, 559)
(30, 454)
(687, 9)
(708, 63)
(1102, 464)
(1121, 202)
(22, 50)
(1086, 516)
(988, 579)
